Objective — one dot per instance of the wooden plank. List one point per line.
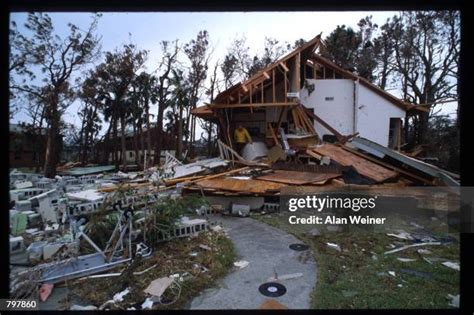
(273, 86)
(295, 118)
(240, 185)
(297, 178)
(272, 132)
(280, 119)
(314, 154)
(304, 123)
(283, 65)
(305, 117)
(286, 85)
(363, 166)
(250, 94)
(399, 170)
(219, 106)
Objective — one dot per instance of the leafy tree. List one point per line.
(229, 69)
(179, 102)
(145, 87)
(197, 51)
(170, 55)
(58, 59)
(353, 50)
(114, 78)
(91, 123)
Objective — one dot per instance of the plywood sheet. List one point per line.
(297, 178)
(363, 166)
(240, 185)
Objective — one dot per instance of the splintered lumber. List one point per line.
(304, 119)
(362, 165)
(399, 170)
(123, 186)
(181, 179)
(237, 170)
(297, 178)
(295, 118)
(272, 132)
(253, 186)
(323, 159)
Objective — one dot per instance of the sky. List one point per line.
(147, 29)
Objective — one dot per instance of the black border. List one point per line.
(466, 110)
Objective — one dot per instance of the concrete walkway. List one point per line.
(266, 249)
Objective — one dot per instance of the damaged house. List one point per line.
(312, 99)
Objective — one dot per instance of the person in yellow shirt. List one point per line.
(241, 137)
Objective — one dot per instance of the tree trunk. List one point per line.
(124, 148)
(148, 134)
(135, 144)
(115, 143)
(209, 139)
(179, 151)
(82, 136)
(51, 156)
(159, 133)
(106, 145)
(142, 145)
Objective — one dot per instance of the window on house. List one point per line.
(329, 98)
(130, 154)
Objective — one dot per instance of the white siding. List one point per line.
(373, 115)
(338, 113)
(373, 112)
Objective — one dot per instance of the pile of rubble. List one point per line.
(50, 219)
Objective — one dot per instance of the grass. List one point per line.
(171, 257)
(358, 278)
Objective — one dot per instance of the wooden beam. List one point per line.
(250, 94)
(266, 75)
(245, 88)
(217, 106)
(273, 86)
(272, 132)
(282, 64)
(295, 118)
(280, 119)
(286, 86)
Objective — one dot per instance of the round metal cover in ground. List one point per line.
(272, 289)
(299, 247)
